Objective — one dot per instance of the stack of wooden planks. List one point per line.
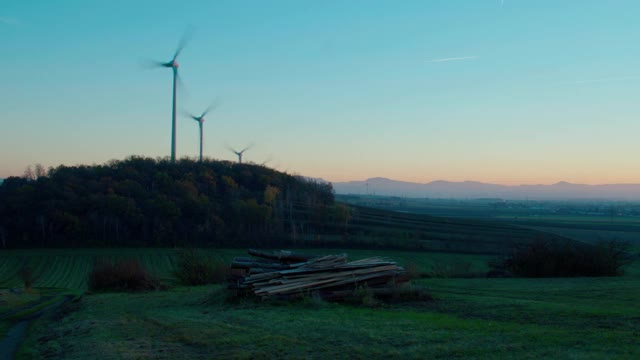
(284, 274)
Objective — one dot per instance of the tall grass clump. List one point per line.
(125, 275)
(544, 258)
(194, 267)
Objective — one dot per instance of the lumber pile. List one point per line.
(283, 274)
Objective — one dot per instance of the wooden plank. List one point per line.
(281, 255)
(285, 274)
(254, 264)
(298, 286)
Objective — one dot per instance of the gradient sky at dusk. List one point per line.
(513, 92)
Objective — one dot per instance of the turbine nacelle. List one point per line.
(239, 153)
(171, 64)
(199, 119)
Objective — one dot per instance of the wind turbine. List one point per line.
(200, 120)
(173, 65)
(239, 153)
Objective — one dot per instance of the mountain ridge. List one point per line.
(561, 190)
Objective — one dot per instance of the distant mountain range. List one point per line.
(476, 190)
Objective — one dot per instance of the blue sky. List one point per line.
(524, 91)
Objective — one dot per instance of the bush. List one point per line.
(128, 275)
(413, 271)
(567, 259)
(376, 297)
(195, 268)
(27, 274)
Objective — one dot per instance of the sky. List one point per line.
(508, 92)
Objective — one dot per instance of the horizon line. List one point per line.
(487, 183)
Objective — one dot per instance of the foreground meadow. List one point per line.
(578, 318)
(469, 318)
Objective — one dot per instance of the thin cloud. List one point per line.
(455, 58)
(9, 21)
(608, 79)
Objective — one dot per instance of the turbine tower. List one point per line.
(200, 120)
(173, 65)
(239, 153)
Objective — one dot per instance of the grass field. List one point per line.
(469, 318)
(579, 318)
(477, 226)
(379, 227)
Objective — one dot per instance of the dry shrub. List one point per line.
(413, 271)
(27, 274)
(363, 296)
(376, 297)
(196, 268)
(124, 275)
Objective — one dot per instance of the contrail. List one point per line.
(614, 78)
(455, 58)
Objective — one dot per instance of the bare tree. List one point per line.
(40, 171)
(28, 173)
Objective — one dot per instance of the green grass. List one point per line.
(475, 318)
(470, 318)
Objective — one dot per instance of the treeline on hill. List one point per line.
(148, 202)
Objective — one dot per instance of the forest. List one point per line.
(139, 202)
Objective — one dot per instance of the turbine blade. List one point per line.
(186, 37)
(190, 115)
(247, 148)
(268, 160)
(148, 64)
(212, 106)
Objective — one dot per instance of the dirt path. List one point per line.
(11, 341)
(9, 345)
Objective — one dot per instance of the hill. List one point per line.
(473, 189)
(142, 202)
(146, 202)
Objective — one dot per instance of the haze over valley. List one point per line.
(475, 190)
